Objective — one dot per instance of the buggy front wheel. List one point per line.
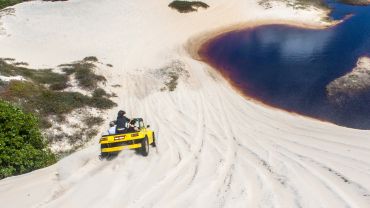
(153, 143)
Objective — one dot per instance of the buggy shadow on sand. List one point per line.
(111, 145)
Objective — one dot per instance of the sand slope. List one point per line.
(215, 148)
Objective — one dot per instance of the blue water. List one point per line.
(289, 68)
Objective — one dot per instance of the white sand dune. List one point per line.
(215, 148)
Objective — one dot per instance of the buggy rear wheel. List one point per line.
(103, 154)
(144, 149)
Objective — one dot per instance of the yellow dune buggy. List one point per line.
(138, 140)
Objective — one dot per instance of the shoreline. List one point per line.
(195, 45)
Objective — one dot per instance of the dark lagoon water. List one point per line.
(289, 68)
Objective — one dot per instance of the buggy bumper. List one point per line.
(120, 148)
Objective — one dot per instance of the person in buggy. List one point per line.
(122, 122)
(133, 126)
(112, 129)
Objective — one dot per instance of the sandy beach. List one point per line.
(215, 147)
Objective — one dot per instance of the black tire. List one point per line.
(144, 149)
(103, 154)
(153, 144)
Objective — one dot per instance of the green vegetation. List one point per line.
(83, 71)
(45, 102)
(7, 3)
(172, 73)
(91, 58)
(93, 121)
(22, 147)
(297, 4)
(47, 94)
(187, 6)
(171, 84)
(99, 92)
(41, 92)
(56, 81)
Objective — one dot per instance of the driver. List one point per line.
(133, 126)
(121, 122)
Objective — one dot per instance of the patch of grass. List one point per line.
(91, 133)
(21, 63)
(84, 74)
(2, 83)
(101, 103)
(116, 85)
(93, 121)
(6, 69)
(172, 74)
(43, 76)
(8, 59)
(45, 102)
(34, 97)
(41, 93)
(187, 6)
(297, 4)
(7, 3)
(99, 92)
(172, 83)
(91, 58)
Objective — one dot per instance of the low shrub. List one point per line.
(84, 74)
(43, 76)
(7, 3)
(93, 121)
(45, 102)
(42, 95)
(187, 6)
(297, 4)
(171, 75)
(22, 147)
(99, 92)
(101, 103)
(91, 58)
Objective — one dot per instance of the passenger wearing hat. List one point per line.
(121, 122)
(112, 129)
